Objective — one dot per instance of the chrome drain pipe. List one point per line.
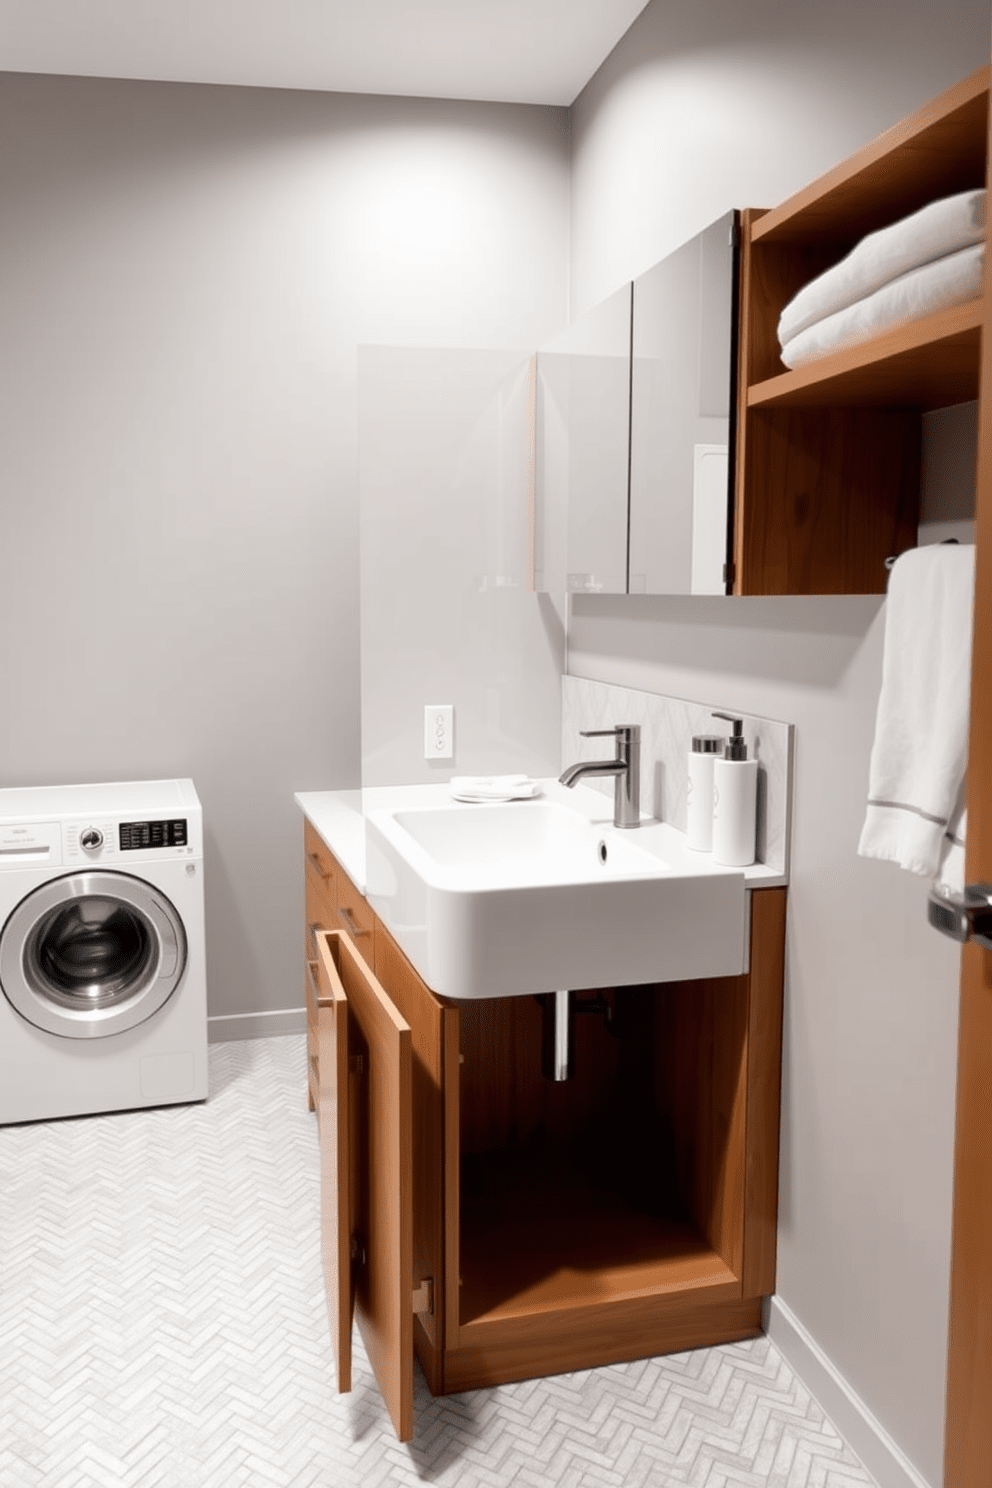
(557, 1041)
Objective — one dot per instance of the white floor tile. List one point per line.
(163, 1325)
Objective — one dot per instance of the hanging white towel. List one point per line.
(920, 751)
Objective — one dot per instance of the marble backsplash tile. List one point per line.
(667, 727)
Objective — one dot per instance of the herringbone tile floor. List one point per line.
(162, 1325)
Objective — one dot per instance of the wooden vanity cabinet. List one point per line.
(828, 455)
(503, 1227)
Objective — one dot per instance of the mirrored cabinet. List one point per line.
(681, 400)
(583, 454)
(633, 432)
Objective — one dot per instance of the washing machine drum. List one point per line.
(91, 954)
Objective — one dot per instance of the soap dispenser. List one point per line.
(699, 791)
(735, 800)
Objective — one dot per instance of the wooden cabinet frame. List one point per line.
(828, 455)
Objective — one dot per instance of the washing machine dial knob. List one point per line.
(91, 839)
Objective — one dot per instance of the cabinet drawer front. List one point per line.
(366, 1175)
(321, 867)
(320, 913)
(354, 916)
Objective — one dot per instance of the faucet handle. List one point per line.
(631, 730)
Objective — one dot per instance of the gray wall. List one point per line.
(699, 109)
(187, 274)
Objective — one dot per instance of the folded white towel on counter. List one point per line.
(943, 227)
(920, 751)
(492, 787)
(936, 286)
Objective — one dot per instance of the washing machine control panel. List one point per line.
(144, 834)
(98, 841)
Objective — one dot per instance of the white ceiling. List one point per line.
(522, 51)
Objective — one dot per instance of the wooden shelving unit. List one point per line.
(828, 456)
(929, 363)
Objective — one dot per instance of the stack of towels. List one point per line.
(493, 787)
(927, 262)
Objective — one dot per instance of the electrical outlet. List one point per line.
(439, 731)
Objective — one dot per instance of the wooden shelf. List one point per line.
(929, 363)
(539, 1237)
(936, 151)
(829, 455)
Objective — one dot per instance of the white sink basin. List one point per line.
(523, 843)
(503, 900)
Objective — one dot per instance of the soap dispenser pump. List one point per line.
(735, 800)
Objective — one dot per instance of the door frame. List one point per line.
(968, 1421)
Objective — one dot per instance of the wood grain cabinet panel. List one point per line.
(366, 1172)
(434, 1032)
(336, 1135)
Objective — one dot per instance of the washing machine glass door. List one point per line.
(91, 954)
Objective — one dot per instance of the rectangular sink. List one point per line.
(508, 899)
(523, 843)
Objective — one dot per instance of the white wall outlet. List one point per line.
(439, 731)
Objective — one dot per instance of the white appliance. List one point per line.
(102, 950)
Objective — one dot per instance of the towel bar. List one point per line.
(944, 542)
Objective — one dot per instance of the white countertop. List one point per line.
(338, 817)
(339, 820)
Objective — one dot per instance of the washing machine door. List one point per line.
(91, 954)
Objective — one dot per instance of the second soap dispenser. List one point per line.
(735, 800)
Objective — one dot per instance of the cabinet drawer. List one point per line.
(355, 917)
(321, 868)
(320, 913)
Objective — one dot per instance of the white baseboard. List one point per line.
(883, 1458)
(232, 1026)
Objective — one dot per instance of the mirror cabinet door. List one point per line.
(682, 394)
(634, 432)
(583, 433)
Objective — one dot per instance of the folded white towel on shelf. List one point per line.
(943, 227)
(935, 286)
(920, 751)
(492, 787)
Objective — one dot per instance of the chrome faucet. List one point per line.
(625, 767)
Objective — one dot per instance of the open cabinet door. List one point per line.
(367, 1173)
(334, 1124)
(968, 1434)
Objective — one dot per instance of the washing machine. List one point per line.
(102, 950)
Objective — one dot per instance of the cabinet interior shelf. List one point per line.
(530, 1247)
(929, 363)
